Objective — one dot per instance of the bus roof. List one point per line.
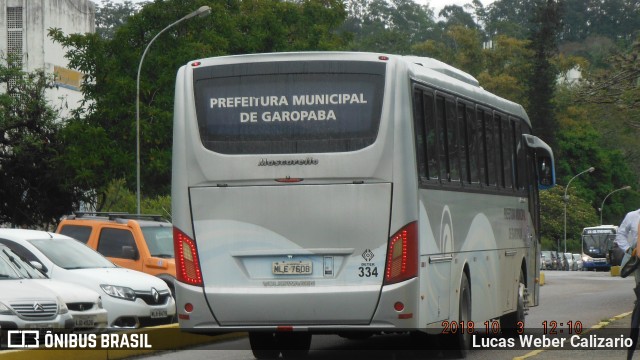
(605, 228)
(425, 70)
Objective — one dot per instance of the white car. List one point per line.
(132, 298)
(84, 305)
(26, 304)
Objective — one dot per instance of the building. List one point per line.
(24, 25)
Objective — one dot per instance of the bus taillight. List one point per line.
(187, 265)
(402, 255)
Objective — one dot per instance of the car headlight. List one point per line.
(586, 258)
(5, 310)
(119, 292)
(62, 307)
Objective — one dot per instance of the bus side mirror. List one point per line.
(545, 167)
(545, 172)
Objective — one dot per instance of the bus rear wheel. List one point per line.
(264, 345)
(460, 342)
(513, 323)
(292, 345)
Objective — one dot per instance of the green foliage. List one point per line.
(105, 137)
(511, 47)
(387, 26)
(580, 214)
(110, 16)
(542, 81)
(117, 198)
(580, 146)
(34, 188)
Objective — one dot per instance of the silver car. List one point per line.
(568, 261)
(132, 298)
(84, 304)
(29, 305)
(577, 262)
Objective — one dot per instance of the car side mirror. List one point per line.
(128, 252)
(38, 265)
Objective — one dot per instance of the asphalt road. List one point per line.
(585, 298)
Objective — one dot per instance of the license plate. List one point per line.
(292, 268)
(40, 326)
(156, 314)
(84, 321)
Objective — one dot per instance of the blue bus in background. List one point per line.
(597, 241)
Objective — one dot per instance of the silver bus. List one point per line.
(351, 193)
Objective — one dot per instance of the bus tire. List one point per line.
(513, 323)
(461, 340)
(264, 345)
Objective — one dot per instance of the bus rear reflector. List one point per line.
(187, 265)
(402, 255)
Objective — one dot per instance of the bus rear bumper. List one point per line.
(397, 311)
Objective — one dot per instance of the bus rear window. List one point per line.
(290, 107)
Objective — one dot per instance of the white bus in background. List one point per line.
(351, 193)
(597, 242)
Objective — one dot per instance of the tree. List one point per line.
(459, 46)
(110, 16)
(541, 85)
(509, 18)
(388, 26)
(613, 99)
(34, 187)
(108, 130)
(580, 214)
(508, 65)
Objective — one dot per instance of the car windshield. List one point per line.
(6, 270)
(21, 266)
(71, 254)
(159, 240)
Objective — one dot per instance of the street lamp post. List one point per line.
(566, 199)
(605, 199)
(202, 11)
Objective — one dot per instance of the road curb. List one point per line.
(157, 335)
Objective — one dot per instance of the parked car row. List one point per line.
(49, 280)
(551, 260)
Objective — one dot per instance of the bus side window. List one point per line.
(481, 140)
(453, 152)
(490, 148)
(499, 148)
(430, 134)
(508, 160)
(441, 129)
(521, 157)
(473, 146)
(419, 129)
(464, 143)
(424, 125)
